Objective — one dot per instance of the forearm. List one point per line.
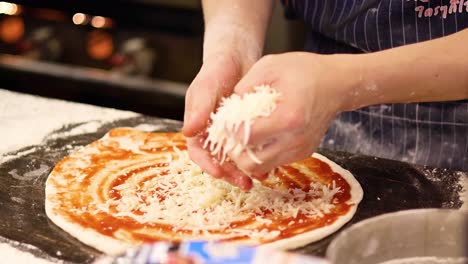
(435, 70)
(236, 27)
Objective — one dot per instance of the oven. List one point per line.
(129, 54)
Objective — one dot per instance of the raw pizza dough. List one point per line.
(132, 187)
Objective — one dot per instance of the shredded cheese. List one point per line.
(165, 188)
(188, 199)
(236, 111)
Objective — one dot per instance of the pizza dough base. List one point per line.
(317, 234)
(113, 246)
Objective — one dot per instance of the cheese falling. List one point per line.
(236, 111)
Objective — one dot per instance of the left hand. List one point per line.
(217, 78)
(313, 91)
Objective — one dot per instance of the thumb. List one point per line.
(200, 101)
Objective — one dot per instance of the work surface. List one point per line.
(35, 137)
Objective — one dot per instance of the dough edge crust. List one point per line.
(113, 246)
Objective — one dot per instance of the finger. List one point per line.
(260, 176)
(286, 149)
(285, 119)
(245, 162)
(227, 171)
(265, 130)
(236, 177)
(202, 158)
(284, 158)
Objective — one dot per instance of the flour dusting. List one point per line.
(86, 128)
(371, 87)
(464, 191)
(8, 157)
(427, 260)
(31, 175)
(11, 254)
(150, 127)
(26, 120)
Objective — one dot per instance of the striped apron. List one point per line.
(434, 134)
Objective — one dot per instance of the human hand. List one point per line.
(216, 79)
(311, 96)
(232, 42)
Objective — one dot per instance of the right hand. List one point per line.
(216, 79)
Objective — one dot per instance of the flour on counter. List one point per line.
(427, 260)
(18, 200)
(464, 191)
(21, 125)
(29, 175)
(27, 123)
(11, 254)
(88, 127)
(150, 127)
(8, 157)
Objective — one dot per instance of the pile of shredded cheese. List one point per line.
(186, 198)
(236, 111)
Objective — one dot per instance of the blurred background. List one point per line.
(137, 55)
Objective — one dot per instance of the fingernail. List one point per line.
(247, 186)
(244, 183)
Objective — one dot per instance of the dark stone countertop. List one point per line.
(388, 185)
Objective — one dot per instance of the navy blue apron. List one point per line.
(434, 134)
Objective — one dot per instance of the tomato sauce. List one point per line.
(107, 224)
